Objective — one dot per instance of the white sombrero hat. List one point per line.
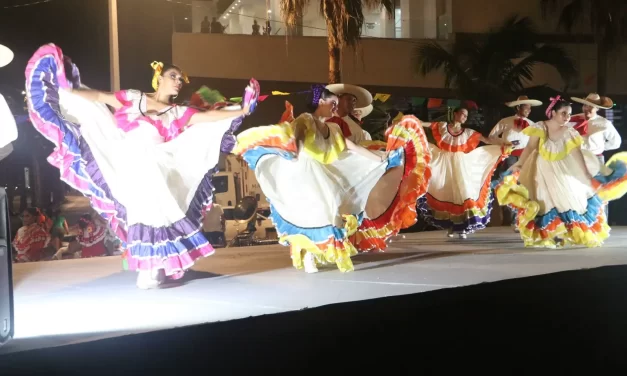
(523, 99)
(365, 111)
(364, 98)
(6, 56)
(595, 100)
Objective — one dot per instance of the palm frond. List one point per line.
(555, 56)
(496, 67)
(345, 18)
(292, 11)
(605, 19)
(430, 56)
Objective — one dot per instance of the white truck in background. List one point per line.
(234, 182)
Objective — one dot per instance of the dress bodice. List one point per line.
(168, 123)
(554, 149)
(316, 145)
(464, 141)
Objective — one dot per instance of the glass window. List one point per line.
(220, 183)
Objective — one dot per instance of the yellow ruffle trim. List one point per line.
(548, 155)
(279, 136)
(556, 234)
(332, 251)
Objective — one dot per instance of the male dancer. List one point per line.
(598, 133)
(511, 129)
(351, 98)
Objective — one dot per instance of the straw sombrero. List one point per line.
(523, 99)
(6, 56)
(365, 111)
(595, 100)
(364, 98)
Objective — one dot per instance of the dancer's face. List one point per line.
(28, 218)
(562, 116)
(461, 116)
(171, 82)
(524, 110)
(347, 103)
(589, 111)
(327, 107)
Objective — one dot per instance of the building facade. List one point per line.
(384, 58)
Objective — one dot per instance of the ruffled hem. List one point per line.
(172, 248)
(466, 218)
(557, 229)
(176, 260)
(256, 142)
(409, 135)
(613, 186)
(329, 244)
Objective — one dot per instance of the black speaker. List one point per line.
(6, 275)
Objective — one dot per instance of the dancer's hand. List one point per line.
(246, 109)
(385, 157)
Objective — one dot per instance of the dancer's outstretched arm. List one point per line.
(217, 115)
(493, 141)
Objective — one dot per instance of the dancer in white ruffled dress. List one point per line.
(319, 183)
(459, 198)
(558, 187)
(146, 168)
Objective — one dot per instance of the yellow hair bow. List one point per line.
(157, 66)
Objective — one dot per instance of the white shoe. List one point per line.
(310, 263)
(462, 236)
(147, 280)
(450, 234)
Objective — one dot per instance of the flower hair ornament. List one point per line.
(551, 105)
(317, 91)
(157, 66)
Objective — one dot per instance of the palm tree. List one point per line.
(605, 19)
(344, 18)
(495, 68)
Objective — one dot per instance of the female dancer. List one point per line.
(319, 184)
(32, 239)
(459, 197)
(147, 168)
(559, 188)
(91, 237)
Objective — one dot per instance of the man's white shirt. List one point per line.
(506, 129)
(601, 134)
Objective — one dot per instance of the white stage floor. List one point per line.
(70, 300)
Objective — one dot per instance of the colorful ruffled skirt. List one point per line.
(352, 204)
(557, 205)
(169, 182)
(460, 196)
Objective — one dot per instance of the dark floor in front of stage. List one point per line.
(567, 322)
